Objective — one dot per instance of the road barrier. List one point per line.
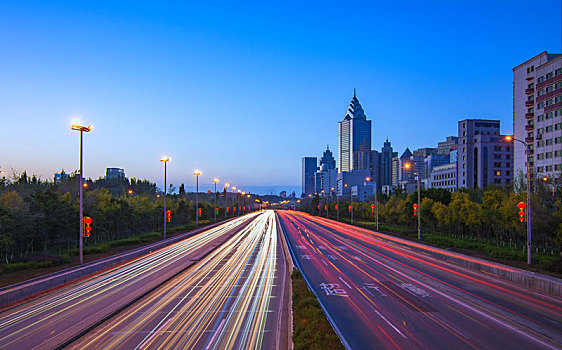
(19, 292)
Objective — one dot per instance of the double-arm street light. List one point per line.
(197, 173)
(82, 130)
(165, 160)
(528, 213)
(215, 180)
(408, 166)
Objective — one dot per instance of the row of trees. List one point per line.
(42, 216)
(486, 214)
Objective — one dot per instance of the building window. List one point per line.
(548, 155)
(549, 115)
(498, 172)
(540, 118)
(549, 102)
(557, 99)
(557, 153)
(540, 106)
(508, 165)
(497, 165)
(558, 140)
(508, 149)
(549, 128)
(540, 169)
(540, 143)
(540, 156)
(549, 88)
(530, 110)
(549, 168)
(531, 86)
(507, 156)
(507, 173)
(558, 167)
(540, 92)
(558, 71)
(549, 75)
(557, 112)
(549, 142)
(540, 79)
(557, 85)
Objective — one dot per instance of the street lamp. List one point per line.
(215, 180)
(165, 160)
(82, 130)
(545, 179)
(197, 173)
(527, 154)
(408, 166)
(225, 192)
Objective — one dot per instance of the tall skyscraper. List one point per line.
(537, 114)
(309, 167)
(386, 164)
(484, 156)
(354, 138)
(328, 159)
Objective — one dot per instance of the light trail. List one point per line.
(55, 317)
(403, 299)
(222, 302)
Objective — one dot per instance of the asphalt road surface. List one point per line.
(58, 316)
(233, 298)
(378, 295)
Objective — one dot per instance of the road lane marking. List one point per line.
(347, 284)
(414, 290)
(390, 324)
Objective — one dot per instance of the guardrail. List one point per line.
(18, 292)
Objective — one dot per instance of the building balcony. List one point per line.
(552, 107)
(529, 127)
(548, 95)
(529, 115)
(529, 139)
(529, 103)
(529, 91)
(550, 81)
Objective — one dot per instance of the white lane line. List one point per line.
(347, 284)
(390, 324)
(325, 263)
(214, 335)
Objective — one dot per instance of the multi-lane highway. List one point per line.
(208, 289)
(231, 299)
(379, 295)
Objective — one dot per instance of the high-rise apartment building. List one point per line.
(537, 114)
(485, 157)
(309, 167)
(354, 137)
(326, 176)
(386, 164)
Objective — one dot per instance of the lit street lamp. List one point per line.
(528, 214)
(215, 181)
(82, 130)
(545, 179)
(165, 160)
(418, 214)
(197, 173)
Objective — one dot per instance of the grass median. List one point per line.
(311, 329)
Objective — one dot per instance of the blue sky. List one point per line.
(243, 91)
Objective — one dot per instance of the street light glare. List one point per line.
(407, 165)
(197, 172)
(165, 159)
(508, 137)
(215, 180)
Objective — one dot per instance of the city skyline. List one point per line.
(145, 77)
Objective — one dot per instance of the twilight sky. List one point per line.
(244, 90)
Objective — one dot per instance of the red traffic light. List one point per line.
(217, 210)
(88, 220)
(200, 210)
(336, 207)
(521, 205)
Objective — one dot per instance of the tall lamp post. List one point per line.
(528, 214)
(338, 198)
(82, 130)
(545, 179)
(165, 160)
(408, 166)
(197, 173)
(215, 180)
(225, 193)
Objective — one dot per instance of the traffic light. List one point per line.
(326, 207)
(88, 221)
(234, 209)
(227, 209)
(200, 210)
(217, 211)
(349, 208)
(169, 215)
(415, 206)
(318, 206)
(336, 207)
(521, 206)
(372, 208)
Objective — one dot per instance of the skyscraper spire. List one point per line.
(354, 95)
